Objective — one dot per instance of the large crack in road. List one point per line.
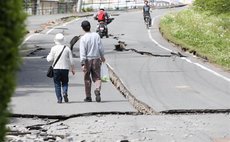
(137, 104)
(140, 106)
(143, 107)
(121, 47)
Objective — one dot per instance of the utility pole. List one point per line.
(79, 5)
(38, 7)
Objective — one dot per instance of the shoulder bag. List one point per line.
(50, 72)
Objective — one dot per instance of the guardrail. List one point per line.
(70, 8)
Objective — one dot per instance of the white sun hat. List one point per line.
(59, 39)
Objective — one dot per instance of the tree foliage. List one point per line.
(213, 6)
(12, 31)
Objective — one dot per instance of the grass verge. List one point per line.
(205, 35)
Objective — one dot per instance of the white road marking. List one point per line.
(183, 58)
(158, 44)
(207, 69)
(183, 87)
(29, 37)
(48, 31)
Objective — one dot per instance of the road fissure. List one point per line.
(121, 47)
(137, 104)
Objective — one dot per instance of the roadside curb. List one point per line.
(46, 25)
(57, 22)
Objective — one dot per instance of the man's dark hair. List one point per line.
(86, 26)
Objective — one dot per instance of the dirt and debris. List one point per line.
(118, 128)
(122, 127)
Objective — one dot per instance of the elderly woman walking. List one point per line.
(62, 67)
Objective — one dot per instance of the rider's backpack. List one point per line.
(101, 15)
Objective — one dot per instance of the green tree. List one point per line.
(12, 31)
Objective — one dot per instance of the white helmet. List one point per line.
(102, 7)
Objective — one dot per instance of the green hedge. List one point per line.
(213, 6)
(12, 31)
(204, 35)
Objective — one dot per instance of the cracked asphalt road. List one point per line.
(162, 84)
(165, 82)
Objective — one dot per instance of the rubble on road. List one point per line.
(123, 128)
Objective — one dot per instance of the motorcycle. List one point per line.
(102, 28)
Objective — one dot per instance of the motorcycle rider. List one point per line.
(102, 17)
(146, 12)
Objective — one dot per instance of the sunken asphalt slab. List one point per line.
(35, 92)
(35, 95)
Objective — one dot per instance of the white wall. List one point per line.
(176, 1)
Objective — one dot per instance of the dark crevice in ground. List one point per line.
(42, 133)
(195, 111)
(65, 117)
(32, 53)
(121, 47)
(184, 49)
(137, 104)
(141, 106)
(56, 119)
(145, 109)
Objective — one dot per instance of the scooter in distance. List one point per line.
(102, 28)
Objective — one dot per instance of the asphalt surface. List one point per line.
(35, 92)
(163, 83)
(170, 83)
(126, 128)
(35, 22)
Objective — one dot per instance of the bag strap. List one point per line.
(58, 57)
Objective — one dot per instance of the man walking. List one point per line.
(91, 56)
